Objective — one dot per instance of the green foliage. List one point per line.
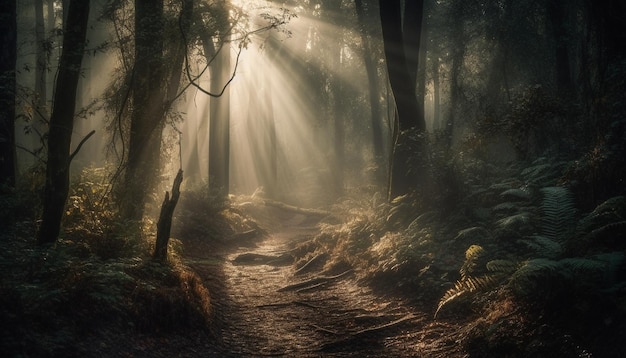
(471, 283)
(543, 246)
(558, 213)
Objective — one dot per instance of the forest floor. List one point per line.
(275, 290)
(263, 307)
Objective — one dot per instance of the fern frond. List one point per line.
(543, 246)
(536, 171)
(558, 212)
(610, 205)
(516, 194)
(472, 254)
(465, 286)
(531, 271)
(506, 206)
(616, 228)
(512, 221)
(472, 233)
(501, 266)
(582, 266)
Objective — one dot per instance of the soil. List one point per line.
(262, 309)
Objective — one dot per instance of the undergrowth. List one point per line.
(97, 280)
(516, 237)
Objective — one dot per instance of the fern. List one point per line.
(473, 233)
(543, 246)
(558, 212)
(472, 254)
(510, 222)
(501, 266)
(526, 277)
(516, 194)
(506, 206)
(467, 285)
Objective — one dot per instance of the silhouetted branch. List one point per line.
(80, 145)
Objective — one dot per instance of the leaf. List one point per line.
(543, 246)
(501, 266)
(516, 193)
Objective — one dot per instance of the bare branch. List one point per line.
(80, 145)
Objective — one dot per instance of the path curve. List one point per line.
(255, 318)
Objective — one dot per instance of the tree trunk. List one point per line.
(458, 54)
(373, 89)
(436, 93)
(409, 161)
(421, 70)
(556, 15)
(219, 125)
(40, 115)
(62, 121)
(148, 94)
(8, 58)
(400, 78)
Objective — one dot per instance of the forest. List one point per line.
(313, 178)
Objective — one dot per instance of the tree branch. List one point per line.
(80, 145)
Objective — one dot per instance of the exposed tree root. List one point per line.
(325, 330)
(311, 288)
(258, 259)
(312, 262)
(246, 235)
(283, 304)
(295, 209)
(367, 332)
(314, 281)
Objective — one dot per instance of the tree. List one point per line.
(402, 69)
(40, 75)
(556, 11)
(62, 122)
(148, 95)
(372, 80)
(8, 58)
(399, 64)
(219, 125)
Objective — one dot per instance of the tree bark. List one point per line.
(219, 124)
(409, 161)
(436, 93)
(62, 121)
(8, 58)
(373, 88)
(164, 225)
(398, 66)
(556, 15)
(41, 62)
(148, 96)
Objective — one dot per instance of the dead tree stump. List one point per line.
(164, 225)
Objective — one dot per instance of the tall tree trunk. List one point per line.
(41, 62)
(436, 92)
(62, 121)
(373, 89)
(557, 16)
(332, 14)
(148, 94)
(408, 147)
(421, 68)
(219, 124)
(458, 54)
(8, 58)
(398, 66)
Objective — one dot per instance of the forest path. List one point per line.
(263, 309)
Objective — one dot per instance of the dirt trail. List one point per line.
(259, 314)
